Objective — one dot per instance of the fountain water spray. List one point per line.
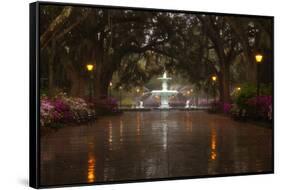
(164, 93)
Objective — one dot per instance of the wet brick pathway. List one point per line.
(155, 144)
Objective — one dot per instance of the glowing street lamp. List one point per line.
(120, 95)
(214, 79)
(110, 87)
(258, 58)
(90, 68)
(138, 90)
(238, 88)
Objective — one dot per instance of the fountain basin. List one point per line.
(164, 95)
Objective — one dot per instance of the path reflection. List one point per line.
(164, 116)
(91, 165)
(121, 130)
(213, 144)
(213, 161)
(139, 119)
(91, 169)
(110, 139)
(138, 127)
(165, 134)
(188, 123)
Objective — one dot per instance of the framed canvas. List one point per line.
(122, 94)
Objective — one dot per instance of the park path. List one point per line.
(154, 144)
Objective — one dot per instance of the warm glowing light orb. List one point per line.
(259, 58)
(90, 67)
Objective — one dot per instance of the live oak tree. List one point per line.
(55, 23)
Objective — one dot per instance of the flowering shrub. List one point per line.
(260, 107)
(237, 112)
(47, 111)
(248, 105)
(226, 107)
(255, 107)
(240, 97)
(269, 114)
(63, 109)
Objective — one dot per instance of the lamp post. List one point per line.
(214, 79)
(110, 87)
(258, 58)
(137, 98)
(120, 96)
(90, 68)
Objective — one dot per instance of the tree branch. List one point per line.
(55, 24)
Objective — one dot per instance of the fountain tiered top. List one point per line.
(164, 93)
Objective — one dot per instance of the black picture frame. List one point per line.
(34, 98)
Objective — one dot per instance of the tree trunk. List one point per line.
(224, 75)
(196, 99)
(221, 87)
(102, 78)
(77, 83)
(105, 66)
(252, 67)
(52, 54)
(225, 81)
(77, 86)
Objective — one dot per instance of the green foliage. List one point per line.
(43, 91)
(56, 125)
(247, 91)
(266, 89)
(127, 102)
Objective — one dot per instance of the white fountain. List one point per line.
(187, 104)
(164, 93)
(140, 106)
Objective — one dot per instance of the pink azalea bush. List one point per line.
(226, 107)
(248, 105)
(255, 107)
(63, 109)
(261, 105)
(47, 111)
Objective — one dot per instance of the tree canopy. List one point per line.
(137, 45)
